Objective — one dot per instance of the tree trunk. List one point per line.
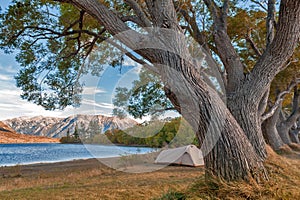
(283, 131)
(244, 108)
(286, 125)
(270, 131)
(294, 135)
(227, 151)
(241, 106)
(228, 154)
(244, 101)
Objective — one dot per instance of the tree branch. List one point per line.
(226, 51)
(296, 99)
(133, 57)
(260, 4)
(139, 12)
(163, 14)
(296, 110)
(278, 52)
(196, 34)
(110, 20)
(271, 21)
(155, 111)
(279, 100)
(132, 18)
(253, 44)
(263, 103)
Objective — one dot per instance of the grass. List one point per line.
(89, 179)
(284, 183)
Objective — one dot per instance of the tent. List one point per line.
(187, 155)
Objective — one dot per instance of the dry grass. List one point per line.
(295, 147)
(89, 179)
(284, 183)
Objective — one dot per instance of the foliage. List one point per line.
(43, 68)
(71, 139)
(57, 43)
(244, 25)
(154, 134)
(53, 44)
(146, 97)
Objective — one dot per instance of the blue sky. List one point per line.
(97, 95)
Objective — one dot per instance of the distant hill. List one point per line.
(8, 135)
(58, 127)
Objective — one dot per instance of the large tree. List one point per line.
(54, 44)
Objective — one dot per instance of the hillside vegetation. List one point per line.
(175, 132)
(8, 135)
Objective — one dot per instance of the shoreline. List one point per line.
(43, 162)
(91, 179)
(38, 163)
(102, 158)
(119, 164)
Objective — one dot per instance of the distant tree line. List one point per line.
(175, 132)
(72, 139)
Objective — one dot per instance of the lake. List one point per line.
(15, 154)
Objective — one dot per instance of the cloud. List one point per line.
(11, 104)
(92, 91)
(5, 77)
(8, 69)
(95, 104)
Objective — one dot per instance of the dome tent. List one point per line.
(187, 155)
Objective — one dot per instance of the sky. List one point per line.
(96, 98)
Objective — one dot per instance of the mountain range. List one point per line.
(8, 135)
(58, 127)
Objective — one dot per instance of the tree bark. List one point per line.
(283, 131)
(227, 151)
(271, 21)
(244, 108)
(294, 135)
(285, 126)
(244, 102)
(270, 131)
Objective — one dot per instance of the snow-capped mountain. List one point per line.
(58, 127)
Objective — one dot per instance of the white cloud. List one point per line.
(9, 92)
(95, 104)
(5, 77)
(8, 69)
(92, 91)
(11, 104)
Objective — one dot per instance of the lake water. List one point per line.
(14, 154)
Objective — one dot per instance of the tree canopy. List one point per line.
(214, 60)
